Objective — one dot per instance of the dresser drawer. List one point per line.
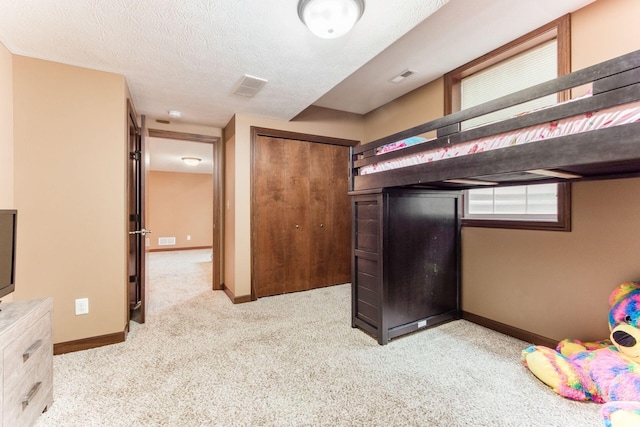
(27, 373)
(24, 400)
(29, 349)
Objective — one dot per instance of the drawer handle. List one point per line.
(29, 397)
(34, 347)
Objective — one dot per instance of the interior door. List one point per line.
(137, 231)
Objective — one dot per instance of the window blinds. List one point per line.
(529, 68)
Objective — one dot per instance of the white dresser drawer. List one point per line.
(25, 400)
(26, 354)
(27, 350)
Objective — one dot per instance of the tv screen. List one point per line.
(7, 251)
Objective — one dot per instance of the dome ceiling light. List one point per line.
(191, 161)
(330, 19)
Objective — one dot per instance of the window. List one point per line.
(531, 207)
(536, 65)
(534, 58)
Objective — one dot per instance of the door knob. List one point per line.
(297, 226)
(144, 232)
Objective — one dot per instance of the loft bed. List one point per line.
(509, 152)
(405, 188)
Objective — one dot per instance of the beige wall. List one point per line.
(551, 283)
(603, 30)
(415, 108)
(315, 121)
(70, 190)
(6, 134)
(180, 205)
(6, 128)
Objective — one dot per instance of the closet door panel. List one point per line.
(341, 221)
(320, 211)
(330, 215)
(296, 214)
(271, 237)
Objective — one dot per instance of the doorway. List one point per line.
(184, 216)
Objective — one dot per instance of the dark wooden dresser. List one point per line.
(406, 260)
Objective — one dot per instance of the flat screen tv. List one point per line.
(7, 251)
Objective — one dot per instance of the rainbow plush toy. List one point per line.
(605, 372)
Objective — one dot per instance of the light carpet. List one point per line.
(177, 276)
(294, 360)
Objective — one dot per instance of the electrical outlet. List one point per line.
(82, 306)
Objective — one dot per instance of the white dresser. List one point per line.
(26, 366)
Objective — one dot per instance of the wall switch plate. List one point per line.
(82, 306)
(188, 236)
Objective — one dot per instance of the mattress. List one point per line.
(614, 116)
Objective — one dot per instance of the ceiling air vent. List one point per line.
(249, 86)
(403, 75)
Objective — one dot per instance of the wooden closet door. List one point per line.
(330, 219)
(341, 230)
(296, 214)
(281, 217)
(270, 245)
(301, 216)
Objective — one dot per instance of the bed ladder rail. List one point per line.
(605, 76)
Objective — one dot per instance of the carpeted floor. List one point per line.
(294, 360)
(177, 276)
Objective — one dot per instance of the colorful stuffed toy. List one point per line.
(605, 372)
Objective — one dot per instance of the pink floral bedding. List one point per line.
(609, 117)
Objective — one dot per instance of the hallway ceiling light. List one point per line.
(175, 114)
(191, 161)
(330, 19)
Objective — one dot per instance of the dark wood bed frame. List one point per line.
(600, 154)
(406, 229)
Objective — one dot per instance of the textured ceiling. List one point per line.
(189, 55)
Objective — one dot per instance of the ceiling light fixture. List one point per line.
(191, 161)
(175, 114)
(330, 19)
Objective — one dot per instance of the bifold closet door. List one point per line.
(330, 224)
(295, 214)
(301, 216)
(270, 245)
(281, 217)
